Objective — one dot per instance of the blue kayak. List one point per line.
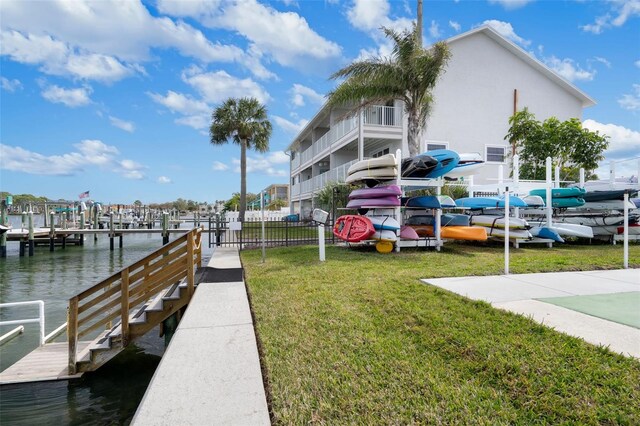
(447, 219)
(447, 161)
(489, 202)
(424, 201)
(548, 233)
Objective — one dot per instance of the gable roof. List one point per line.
(586, 100)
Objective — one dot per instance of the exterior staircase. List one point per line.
(125, 306)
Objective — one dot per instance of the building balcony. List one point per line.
(339, 174)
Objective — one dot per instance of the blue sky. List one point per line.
(115, 97)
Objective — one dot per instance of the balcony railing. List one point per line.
(383, 116)
(339, 174)
(377, 115)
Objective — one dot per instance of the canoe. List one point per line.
(384, 222)
(498, 222)
(466, 233)
(447, 219)
(408, 233)
(559, 192)
(547, 233)
(377, 191)
(447, 161)
(567, 202)
(608, 205)
(380, 174)
(533, 200)
(423, 201)
(388, 160)
(353, 228)
(384, 235)
(591, 196)
(468, 165)
(419, 166)
(489, 202)
(358, 203)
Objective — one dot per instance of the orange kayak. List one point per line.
(467, 233)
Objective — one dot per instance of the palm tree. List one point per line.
(409, 75)
(245, 122)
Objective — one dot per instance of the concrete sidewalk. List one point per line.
(210, 373)
(517, 293)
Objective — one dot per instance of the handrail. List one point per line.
(117, 295)
(39, 320)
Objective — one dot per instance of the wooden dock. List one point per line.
(48, 362)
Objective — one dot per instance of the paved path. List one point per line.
(517, 292)
(210, 373)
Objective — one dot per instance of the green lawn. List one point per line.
(359, 340)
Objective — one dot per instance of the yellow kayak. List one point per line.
(467, 233)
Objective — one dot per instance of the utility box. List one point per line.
(320, 216)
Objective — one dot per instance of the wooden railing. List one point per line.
(95, 309)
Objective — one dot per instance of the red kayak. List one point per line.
(353, 228)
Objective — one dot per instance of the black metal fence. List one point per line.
(277, 233)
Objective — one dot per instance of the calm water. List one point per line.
(108, 396)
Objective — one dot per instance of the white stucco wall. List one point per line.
(474, 97)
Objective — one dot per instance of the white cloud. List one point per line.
(10, 85)
(178, 102)
(282, 36)
(601, 60)
(300, 92)
(214, 87)
(127, 126)
(198, 122)
(619, 13)
(511, 4)
(637, 63)
(164, 179)
(88, 155)
(623, 142)
(455, 25)
(631, 102)
(78, 38)
(507, 31)
(218, 166)
(69, 97)
(569, 69)
(288, 126)
(434, 30)
(265, 164)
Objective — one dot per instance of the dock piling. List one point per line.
(31, 241)
(112, 233)
(3, 236)
(52, 232)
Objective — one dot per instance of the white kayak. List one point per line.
(533, 200)
(384, 222)
(388, 160)
(568, 229)
(498, 222)
(469, 164)
(607, 205)
(514, 234)
(384, 235)
(380, 173)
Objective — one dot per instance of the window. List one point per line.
(433, 145)
(381, 153)
(495, 154)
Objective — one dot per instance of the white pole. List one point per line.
(470, 186)
(506, 231)
(625, 262)
(321, 241)
(612, 174)
(557, 177)
(548, 193)
(41, 312)
(438, 222)
(581, 177)
(500, 175)
(262, 208)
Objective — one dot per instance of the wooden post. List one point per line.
(190, 268)
(72, 333)
(82, 223)
(111, 232)
(124, 307)
(52, 232)
(31, 242)
(3, 236)
(165, 228)
(96, 224)
(45, 213)
(24, 220)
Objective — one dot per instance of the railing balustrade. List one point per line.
(383, 116)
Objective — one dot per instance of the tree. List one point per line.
(409, 75)
(245, 122)
(276, 205)
(568, 144)
(233, 204)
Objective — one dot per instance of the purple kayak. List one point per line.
(388, 201)
(376, 192)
